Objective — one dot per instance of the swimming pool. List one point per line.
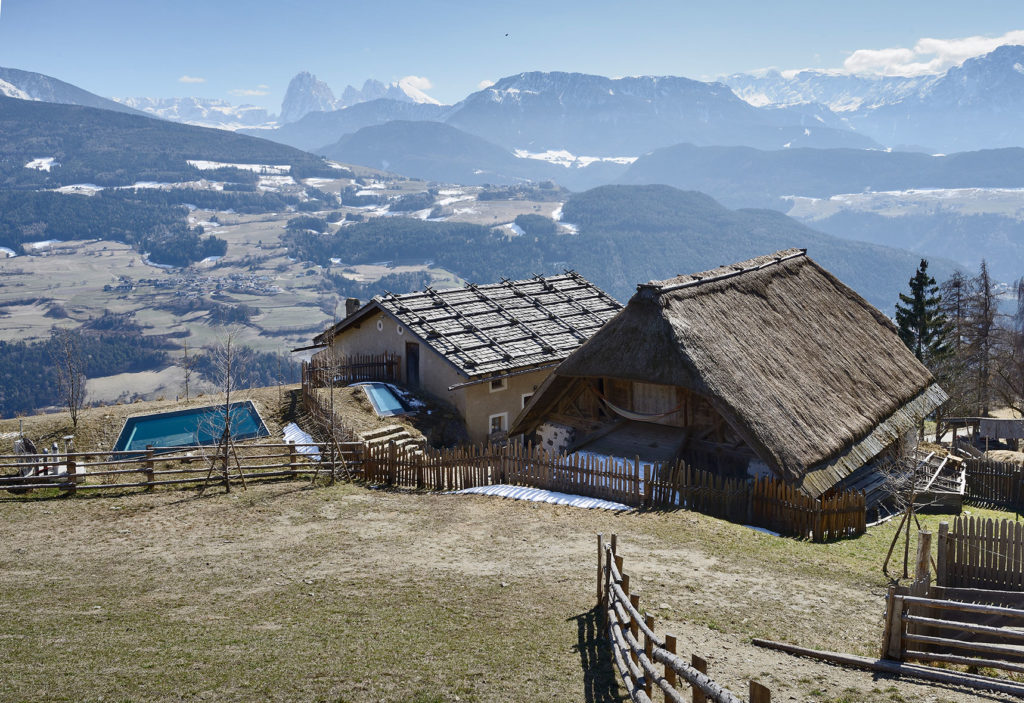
(183, 428)
(383, 399)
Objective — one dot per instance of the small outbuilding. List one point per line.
(771, 365)
(483, 348)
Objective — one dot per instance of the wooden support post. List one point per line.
(922, 574)
(648, 651)
(759, 693)
(648, 494)
(941, 563)
(615, 544)
(670, 673)
(293, 463)
(600, 558)
(634, 626)
(150, 467)
(702, 666)
(625, 579)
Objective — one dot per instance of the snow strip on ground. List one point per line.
(293, 434)
(539, 495)
(8, 253)
(41, 164)
(204, 165)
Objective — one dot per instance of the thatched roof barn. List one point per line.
(772, 362)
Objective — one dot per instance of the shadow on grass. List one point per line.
(600, 681)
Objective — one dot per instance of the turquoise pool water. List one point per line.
(184, 428)
(384, 402)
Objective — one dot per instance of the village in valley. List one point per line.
(577, 388)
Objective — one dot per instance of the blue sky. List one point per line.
(248, 51)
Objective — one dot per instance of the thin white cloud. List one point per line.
(191, 79)
(251, 92)
(928, 55)
(484, 84)
(417, 82)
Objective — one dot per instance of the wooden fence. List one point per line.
(962, 626)
(994, 484)
(981, 553)
(649, 661)
(351, 369)
(157, 466)
(763, 502)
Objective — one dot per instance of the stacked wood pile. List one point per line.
(764, 502)
(647, 661)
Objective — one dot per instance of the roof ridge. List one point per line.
(696, 279)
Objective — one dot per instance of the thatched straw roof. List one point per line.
(812, 376)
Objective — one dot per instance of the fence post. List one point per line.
(634, 627)
(600, 554)
(670, 647)
(648, 651)
(392, 462)
(150, 467)
(648, 492)
(293, 459)
(759, 693)
(702, 666)
(940, 556)
(72, 473)
(896, 624)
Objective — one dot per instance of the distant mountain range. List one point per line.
(202, 112)
(976, 105)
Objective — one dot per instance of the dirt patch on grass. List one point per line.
(348, 594)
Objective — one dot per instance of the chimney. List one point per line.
(351, 305)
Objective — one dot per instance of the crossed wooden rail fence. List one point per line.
(636, 659)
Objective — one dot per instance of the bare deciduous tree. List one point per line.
(188, 365)
(66, 355)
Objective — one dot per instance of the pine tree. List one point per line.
(921, 322)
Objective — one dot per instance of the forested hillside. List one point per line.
(627, 235)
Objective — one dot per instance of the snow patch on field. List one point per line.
(561, 157)
(42, 164)
(269, 169)
(36, 246)
(7, 253)
(513, 230)
(539, 495)
(273, 183)
(317, 182)
(80, 189)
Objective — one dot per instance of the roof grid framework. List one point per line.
(493, 328)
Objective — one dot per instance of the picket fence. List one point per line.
(764, 502)
(994, 484)
(981, 553)
(350, 369)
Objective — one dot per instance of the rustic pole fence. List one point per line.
(649, 662)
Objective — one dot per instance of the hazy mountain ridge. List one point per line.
(986, 92)
(202, 112)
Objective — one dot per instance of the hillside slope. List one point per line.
(104, 147)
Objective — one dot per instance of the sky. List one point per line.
(246, 52)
